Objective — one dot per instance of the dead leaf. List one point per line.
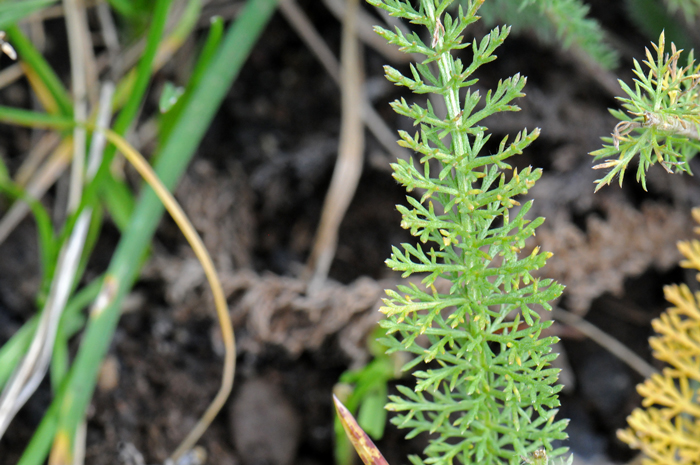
(364, 446)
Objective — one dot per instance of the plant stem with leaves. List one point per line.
(485, 389)
(662, 123)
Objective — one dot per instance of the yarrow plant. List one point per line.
(563, 23)
(662, 123)
(485, 390)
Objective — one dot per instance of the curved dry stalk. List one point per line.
(348, 167)
(51, 170)
(146, 172)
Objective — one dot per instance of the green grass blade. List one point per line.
(4, 172)
(182, 30)
(124, 7)
(34, 119)
(35, 60)
(143, 72)
(58, 368)
(11, 12)
(119, 200)
(13, 350)
(131, 107)
(216, 32)
(123, 269)
(48, 245)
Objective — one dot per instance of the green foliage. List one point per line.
(131, 8)
(48, 246)
(661, 123)
(169, 96)
(652, 18)
(29, 55)
(168, 120)
(562, 22)
(486, 390)
(689, 8)
(12, 11)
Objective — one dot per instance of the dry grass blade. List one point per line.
(111, 38)
(10, 75)
(51, 170)
(79, 445)
(77, 38)
(99, 141)
(146, 172)
(47, 143)
(31, 371)
(362, 443)
(348, 167)
(305, 29)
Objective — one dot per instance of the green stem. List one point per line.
(34, 119)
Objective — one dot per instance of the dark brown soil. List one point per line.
(255, 192)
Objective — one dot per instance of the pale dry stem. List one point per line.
(76, 28)
(348, 168)
(305, 29)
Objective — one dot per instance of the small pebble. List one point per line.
(265, 427)
(109, 374)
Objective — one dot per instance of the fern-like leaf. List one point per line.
(662, 121)
(561, 22)
(485, 387)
